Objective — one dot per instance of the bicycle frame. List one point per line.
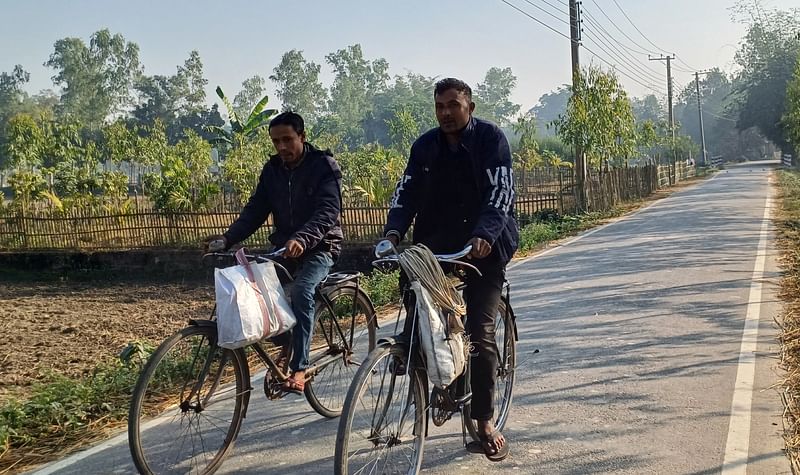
(320, 361)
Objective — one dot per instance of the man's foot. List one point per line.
(296, 383)
(492, 443)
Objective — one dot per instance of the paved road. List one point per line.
(639, 326)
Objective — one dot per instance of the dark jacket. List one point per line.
(305, 203)
(490, 156)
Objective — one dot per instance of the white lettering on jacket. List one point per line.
(502, 181)
(395, 203)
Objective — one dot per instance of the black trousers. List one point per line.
(482, 296)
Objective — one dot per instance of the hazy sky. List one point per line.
(237, 39)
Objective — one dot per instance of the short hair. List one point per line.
(452, 83)
(292, 119)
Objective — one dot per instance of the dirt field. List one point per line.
(69, 327)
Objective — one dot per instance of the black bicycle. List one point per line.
(191, 396)
(384, 421)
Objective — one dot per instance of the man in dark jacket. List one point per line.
(301, 188)
(458, 189)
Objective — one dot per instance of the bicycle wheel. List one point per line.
(504, 386)
(339, 350)
(383, 425)
(187, 406)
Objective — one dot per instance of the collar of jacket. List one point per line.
(466, 139)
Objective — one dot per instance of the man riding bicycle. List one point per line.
(458, 189)
(301, 187)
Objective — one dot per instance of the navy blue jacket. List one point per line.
(305, 203)
(490, 156)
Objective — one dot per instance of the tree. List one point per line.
(492, 96)
(356, 81)
(406, 104)
(178, 100)
(767, 56)
(298, 85)
(241, 129)
(191, 85)
(647, 108)
(25, 142)
(252, 92)
(12, 97)
(599, 118)
(550, 107)
(791, 119)
(96, 79)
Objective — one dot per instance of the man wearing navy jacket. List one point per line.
(457, 189)
(301, 187)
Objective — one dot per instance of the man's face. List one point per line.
(288, 143)
(453, 110)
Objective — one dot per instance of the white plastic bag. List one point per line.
(444, 348)
(251, 304)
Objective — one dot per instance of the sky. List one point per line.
(238, 39)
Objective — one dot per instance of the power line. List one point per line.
(566, 22)
(620, 29)
(632, 67)
(598, 56)
(536, 19)
(636, 27)
(645, 69)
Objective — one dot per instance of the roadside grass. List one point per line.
(787, 221)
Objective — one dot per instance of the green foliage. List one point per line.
(791, 119)
(370, 173)
(28, 187)
(252, 91)
(243, 164)
(96, 78)
(599, 118)
(298, 85)
(767, 56)
(63, 406)
(25, 142)
(382, 288)
(492, 96)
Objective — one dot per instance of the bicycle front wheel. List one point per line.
(187, 405)
(504, 382)
(343, 339)
(383, 424)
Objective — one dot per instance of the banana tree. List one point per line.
(240, 131)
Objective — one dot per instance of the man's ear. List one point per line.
(471, 107)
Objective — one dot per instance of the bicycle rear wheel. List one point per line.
(187, 406)
(504, 384)
(383, 424)
(338, 350)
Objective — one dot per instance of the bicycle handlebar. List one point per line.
(455, 258)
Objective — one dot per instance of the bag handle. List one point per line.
(241, 259)
(261, 294)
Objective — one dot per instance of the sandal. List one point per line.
(294, 386)
(486, 446)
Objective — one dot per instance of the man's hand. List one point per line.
(293, 248)
(393, 238)
(215, 243)
(480, 248)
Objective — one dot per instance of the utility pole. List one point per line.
(668, 59)
(700, 112)
(575, 39)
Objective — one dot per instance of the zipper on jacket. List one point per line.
(291, 210)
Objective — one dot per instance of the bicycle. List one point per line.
(385, 417)
(197, 393)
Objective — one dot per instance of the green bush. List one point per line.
(382, 288)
